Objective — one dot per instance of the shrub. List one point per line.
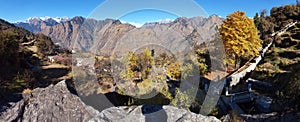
(202, 68)
(285, 42)
(297, 25)
(296, 30)
(141, 66)
(182, 99)
(203, 61)
(267, 41)
(23, 80)
(285, 35)
(44, 44)
(287, 39)
(174, 70)
(296, 35)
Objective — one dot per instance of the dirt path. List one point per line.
(50, 72)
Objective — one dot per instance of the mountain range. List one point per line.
(103, 36)
(36, 24)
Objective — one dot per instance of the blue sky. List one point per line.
(20, 10)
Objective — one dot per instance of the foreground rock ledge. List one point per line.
(56, 103)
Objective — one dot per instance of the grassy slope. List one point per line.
(281, 67)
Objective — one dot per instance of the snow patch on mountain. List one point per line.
(138, 25)
(165, 21)
(47, 18)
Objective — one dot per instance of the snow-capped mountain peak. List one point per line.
(30, 19)
(34, 24)
(61, 19)
(138, 25)
(47, 18)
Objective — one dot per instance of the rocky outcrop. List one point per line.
(57, 103)
(54, 103)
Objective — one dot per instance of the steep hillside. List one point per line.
(280, 67)
(24, 57)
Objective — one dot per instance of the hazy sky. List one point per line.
(20, 10)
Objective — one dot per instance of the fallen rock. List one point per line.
(56, 103)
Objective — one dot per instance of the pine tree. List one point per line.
(256, 19)
(240, 37)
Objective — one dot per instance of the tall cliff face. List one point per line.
(83, 34)
(102, 36)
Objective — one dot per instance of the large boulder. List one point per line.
(57, 103)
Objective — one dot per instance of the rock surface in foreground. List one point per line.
(56, 103)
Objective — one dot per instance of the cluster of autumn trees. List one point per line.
(146, 70)
(139, 65)
(241, 41)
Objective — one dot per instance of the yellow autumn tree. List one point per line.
(174, 70)
(240, 37)
(146, 62)
(138, 64)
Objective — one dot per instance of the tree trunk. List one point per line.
(237, 63)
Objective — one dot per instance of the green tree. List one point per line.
(263, 24)
(240, 37)
(256, 19)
